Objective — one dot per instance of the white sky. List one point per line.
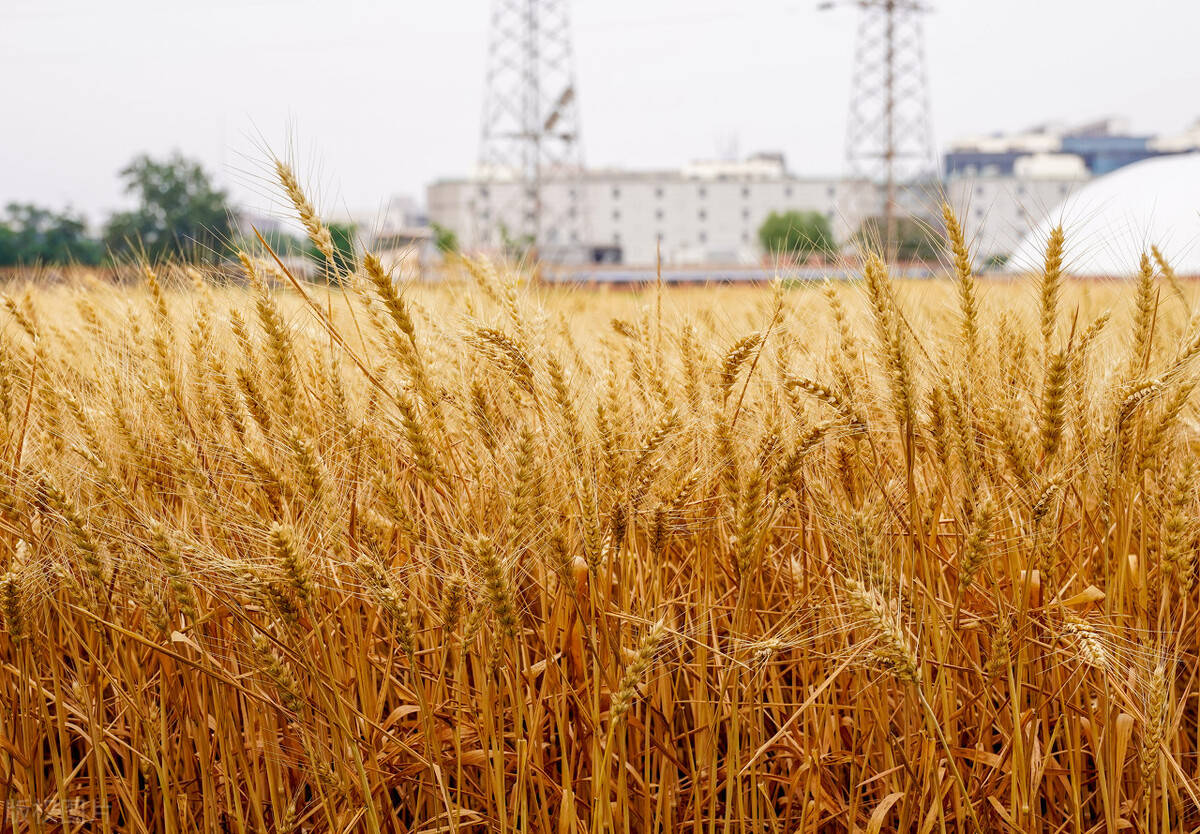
(379, 98)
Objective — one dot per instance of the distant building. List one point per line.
(1102, 146)
(709, 212)
(706, 212)
(246, 223)
(405, 250)
(1003, 185)
(998, 210)
(398, 231)
(399, 212)
(1111, 222)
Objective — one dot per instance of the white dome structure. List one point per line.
(1112, 220)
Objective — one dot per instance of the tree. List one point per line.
(180, 213)
(344, 258)
(915, 241)
(10, 247)
(444, 239)
(30, 234)
(796, 234)
(515, 248)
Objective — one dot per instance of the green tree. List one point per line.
(915, 241)
(515, 248)
(9, 246)
(179, 214)
(31, 234)
(444, 239)
(796, 234)
(344, 258)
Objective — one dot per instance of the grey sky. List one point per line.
(378, 98)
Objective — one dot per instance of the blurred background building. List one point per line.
(531, 193)
(1002, 185)
(709, 212)
(706, 212)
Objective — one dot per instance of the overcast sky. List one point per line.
(379, 98)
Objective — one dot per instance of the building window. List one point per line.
(703, 237)
(616, 193)
(658, 193)
(483, 191)
(616, 215)
(745, 192)
(831, 191)
(787, 191)
(703, 214)
(1020, 189)
(1062, 189)
(979, 190)
(703, 192)
(658, 215)
(745, 214)
(745, 237)
(617, 238)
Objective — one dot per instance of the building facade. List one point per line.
(708, 213)
(997, 210)
(1101, 147)
(703, 213)
(1005, 184)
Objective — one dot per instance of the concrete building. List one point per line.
(706, 212)
(997, 210)
(406, 250)
(397, 230)
(398, 213)
(1102, 146)
(1004, 185)
(709, 212)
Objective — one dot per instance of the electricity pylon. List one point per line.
(889, 139)
(530, 138)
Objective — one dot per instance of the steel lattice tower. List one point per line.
(889, 139)
(530, 131)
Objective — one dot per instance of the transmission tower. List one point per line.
(889, 139)
(530, 158)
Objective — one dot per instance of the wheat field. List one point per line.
(487, 556)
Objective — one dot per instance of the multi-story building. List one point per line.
(997, 209)
(1003, 185)
(709, 212)
(1102, 146)
(706, 212)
